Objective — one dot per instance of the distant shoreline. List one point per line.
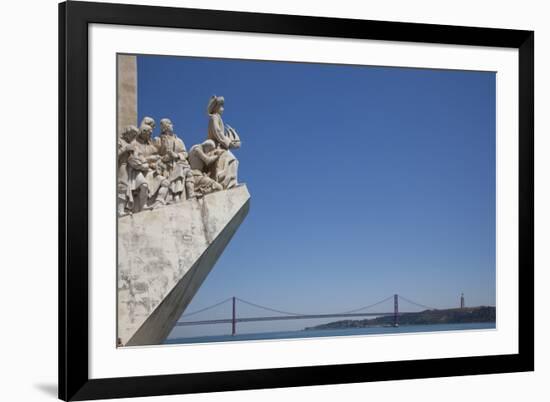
(480, 314)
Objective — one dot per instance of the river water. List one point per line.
(335, 332)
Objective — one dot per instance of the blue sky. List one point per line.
(365, 182)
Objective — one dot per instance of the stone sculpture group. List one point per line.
(158, 171)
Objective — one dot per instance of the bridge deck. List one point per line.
(284, 317)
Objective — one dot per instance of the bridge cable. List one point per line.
(416, 304)
(286, 312)
(267, 308)
(206, 308)
(369, 306)
(291, 313)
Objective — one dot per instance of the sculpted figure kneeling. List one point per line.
(201, 158)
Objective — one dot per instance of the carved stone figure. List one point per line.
(174, 159)
(151, 186)
(125, 152)
(148, 121)
(201, 158)
(225, 138)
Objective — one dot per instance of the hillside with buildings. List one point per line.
(426, 317)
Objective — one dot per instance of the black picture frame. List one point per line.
(74, 381)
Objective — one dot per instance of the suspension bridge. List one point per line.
(286, 315)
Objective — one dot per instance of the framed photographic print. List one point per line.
(257, 201)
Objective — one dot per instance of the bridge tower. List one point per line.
(395, 310)
(462, 300)
(233, 320)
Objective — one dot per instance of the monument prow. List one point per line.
(177, 211)
(164, 255)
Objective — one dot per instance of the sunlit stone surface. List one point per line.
(165, 254)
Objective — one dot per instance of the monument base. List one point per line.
(164, 256)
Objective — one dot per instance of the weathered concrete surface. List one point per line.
(164, 256)
(127, 91)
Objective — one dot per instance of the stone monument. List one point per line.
(177, 211)
(127, 91)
